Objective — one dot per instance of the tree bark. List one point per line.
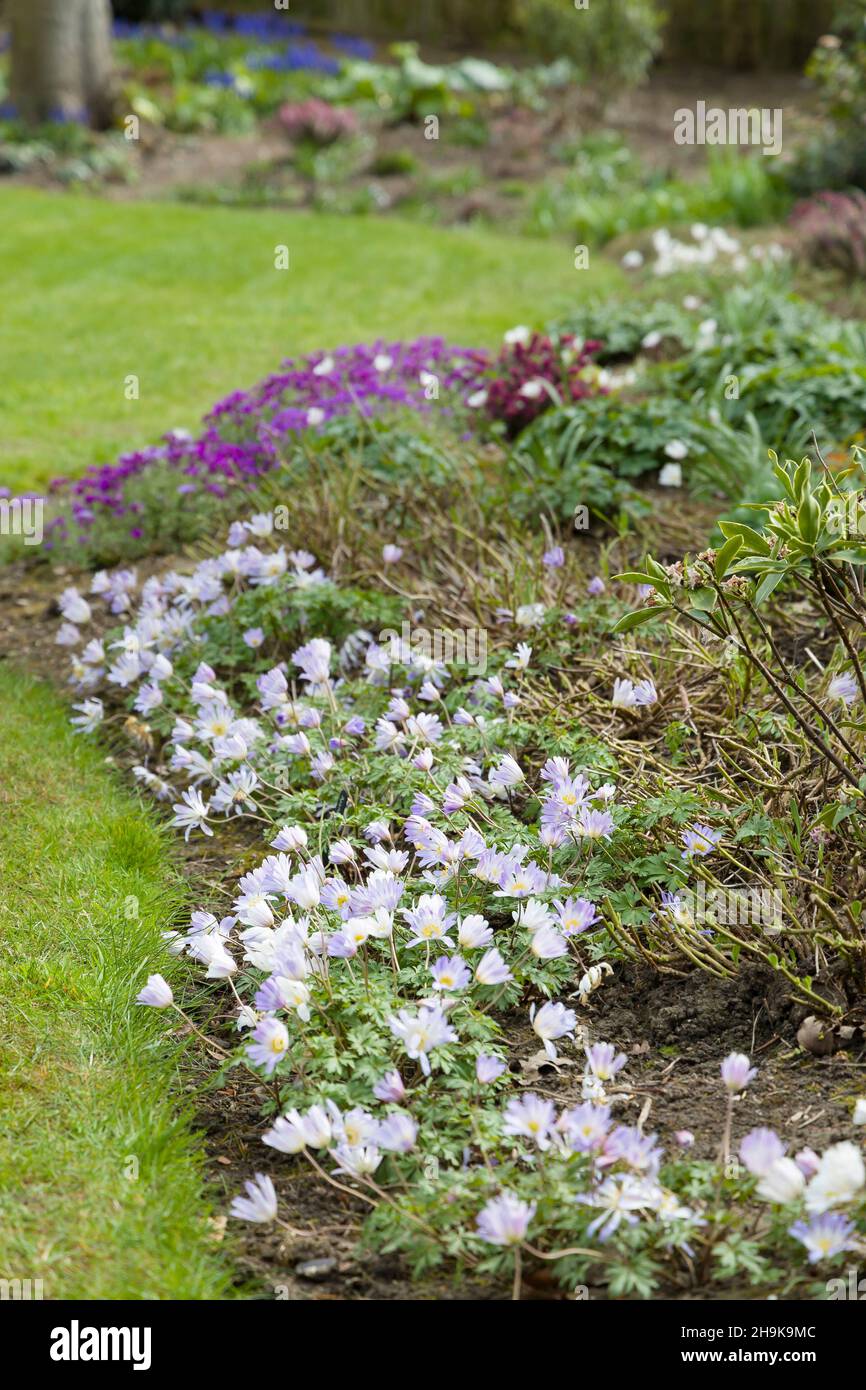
(61, 60)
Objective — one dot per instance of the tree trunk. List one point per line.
(61, 60)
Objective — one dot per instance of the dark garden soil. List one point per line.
(674, 1031)
(448, 180)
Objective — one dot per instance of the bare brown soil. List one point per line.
(520, 152)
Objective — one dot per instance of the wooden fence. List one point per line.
(719, 33)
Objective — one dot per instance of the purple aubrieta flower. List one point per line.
(595, 586)
(245, 434)
(737, 1072)
(825, 1236)
(505, 1220)
(554, 558)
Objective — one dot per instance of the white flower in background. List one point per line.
(508, 774)
(676, 449)
(519, 336)
(68, 635)
(156, 993)
(208, 949)
(315, 416)
(632, 260)
(191, 813)
(552, 1021)
(843, 687)
(74, 608)
(671, 475)
(260, 1203)
(532, 389)
(520, 660)
(840, 1176)
(90, 718)
(530, 615)
(782, 1182)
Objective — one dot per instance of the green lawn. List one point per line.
(188, 300)
(100, 1177)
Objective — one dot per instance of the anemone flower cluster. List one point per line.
(423, 879)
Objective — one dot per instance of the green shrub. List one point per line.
(837, 157)
(611, 44)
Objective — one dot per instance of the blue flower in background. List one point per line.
(214, 78)
(296, 58)
(61, 115)
(354, 48)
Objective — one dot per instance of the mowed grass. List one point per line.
(100, 1176)
(188, 300)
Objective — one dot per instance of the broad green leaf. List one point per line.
(747, 534)
(638, 618)
(724, 556)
